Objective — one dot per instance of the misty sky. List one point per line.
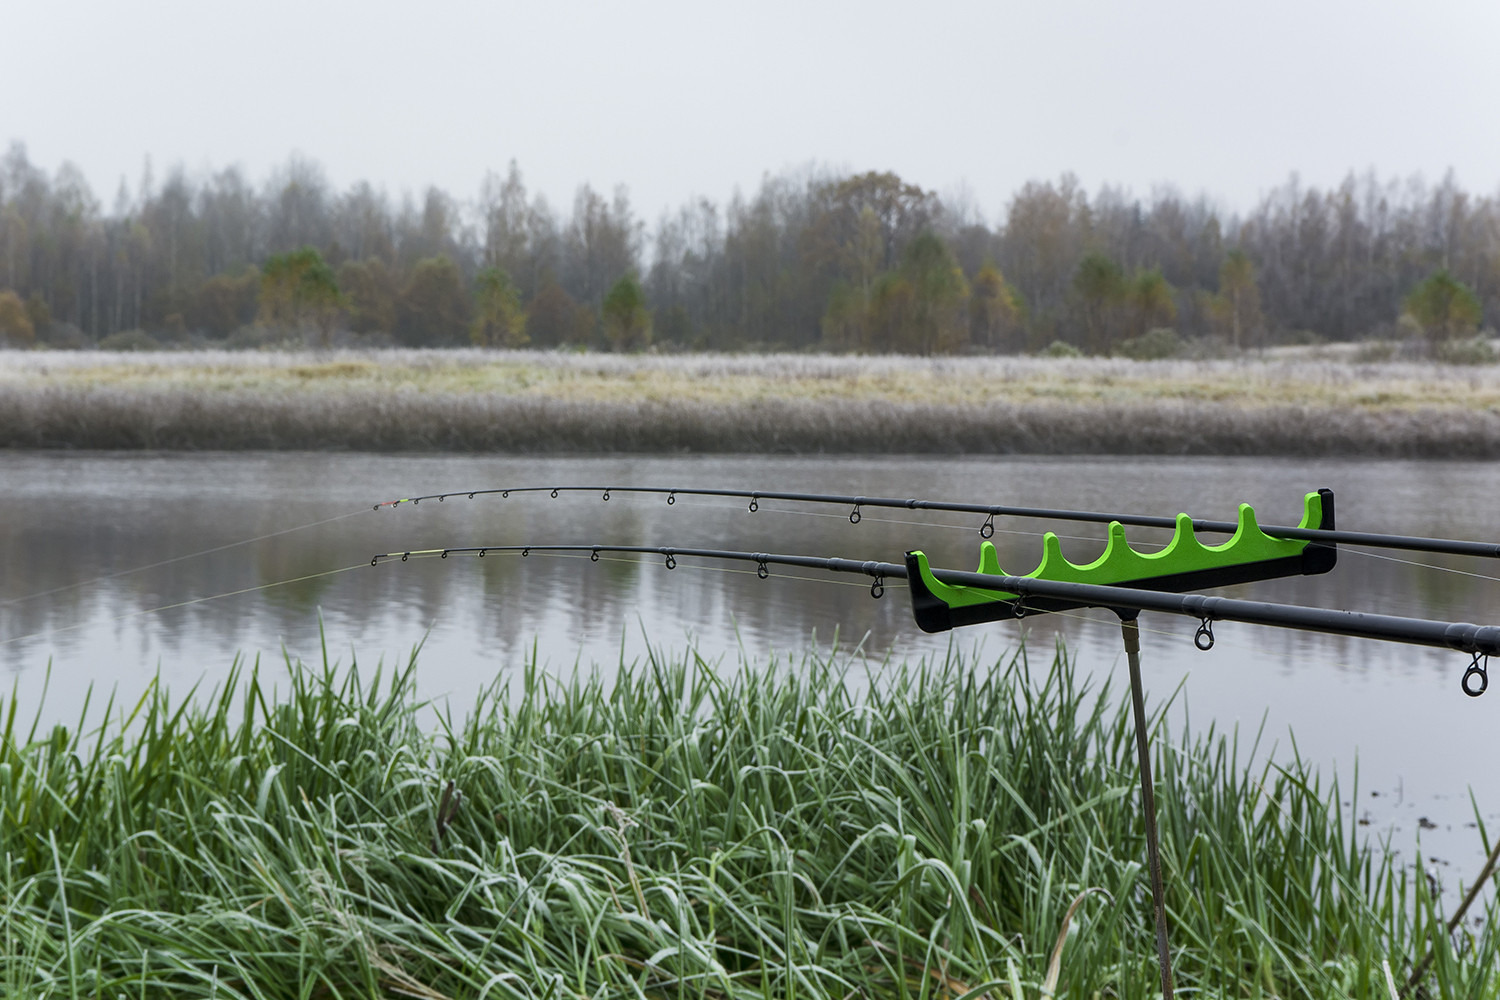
(676, 99)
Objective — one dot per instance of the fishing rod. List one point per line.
(1324, 533)
(1032, 596)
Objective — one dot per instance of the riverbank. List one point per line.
(532, 402)
(937, 830)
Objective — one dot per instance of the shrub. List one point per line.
(1468, 351)
(16, 328)
(1061, 349)
(1153, 345)
(1375, 352)
(130, 340)
(260, 338)
(66, 337)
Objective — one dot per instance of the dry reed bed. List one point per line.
(547, 402)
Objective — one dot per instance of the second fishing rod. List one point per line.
(1330, 535)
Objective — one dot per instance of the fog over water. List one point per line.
(77, 523)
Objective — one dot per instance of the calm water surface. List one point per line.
(75, 525)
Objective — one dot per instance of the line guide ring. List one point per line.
(1480, 670)
(1204, 637)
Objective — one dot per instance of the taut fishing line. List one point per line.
(183, 604)
(177, 559)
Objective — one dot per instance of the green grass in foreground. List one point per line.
(683, 830)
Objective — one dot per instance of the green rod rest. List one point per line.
(1185, 564)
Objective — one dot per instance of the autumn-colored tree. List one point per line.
(554, 318)
(39, 312)
(1099, 286)
(1444, 307)
(940, 294)
(627, 322)
(298, 290)
(224, 303)
(498, 318)
(15, 326)
(1239, 294)
(845, 318)
(1152, 303)
(890, 314)
(433, 310)
(863, 224)
(994, 312)
(370, 295)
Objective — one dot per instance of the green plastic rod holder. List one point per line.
(1185, 564)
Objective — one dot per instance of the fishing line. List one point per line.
(182, 604)
(544, 552)
(1422, 565)
(1099, 621)
(177, 559)
(729, 570)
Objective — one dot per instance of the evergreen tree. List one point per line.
(627, 323)
(498, 318)
(1444, 307)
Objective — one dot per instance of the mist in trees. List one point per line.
(811, 260)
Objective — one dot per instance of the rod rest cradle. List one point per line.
(1185, 564)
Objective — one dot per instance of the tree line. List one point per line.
(812, 260)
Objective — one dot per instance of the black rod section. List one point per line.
(1410, 543)
(1462, 636)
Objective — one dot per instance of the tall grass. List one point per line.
(540, 402)
(682, 830)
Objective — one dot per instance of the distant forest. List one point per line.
(812, 260)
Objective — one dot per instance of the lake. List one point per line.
(77, 524)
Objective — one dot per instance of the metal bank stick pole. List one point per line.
(1132, 634)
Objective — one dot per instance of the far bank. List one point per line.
(535, 402)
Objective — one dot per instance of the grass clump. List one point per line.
(681, 830)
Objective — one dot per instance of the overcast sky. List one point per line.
(675, 99)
